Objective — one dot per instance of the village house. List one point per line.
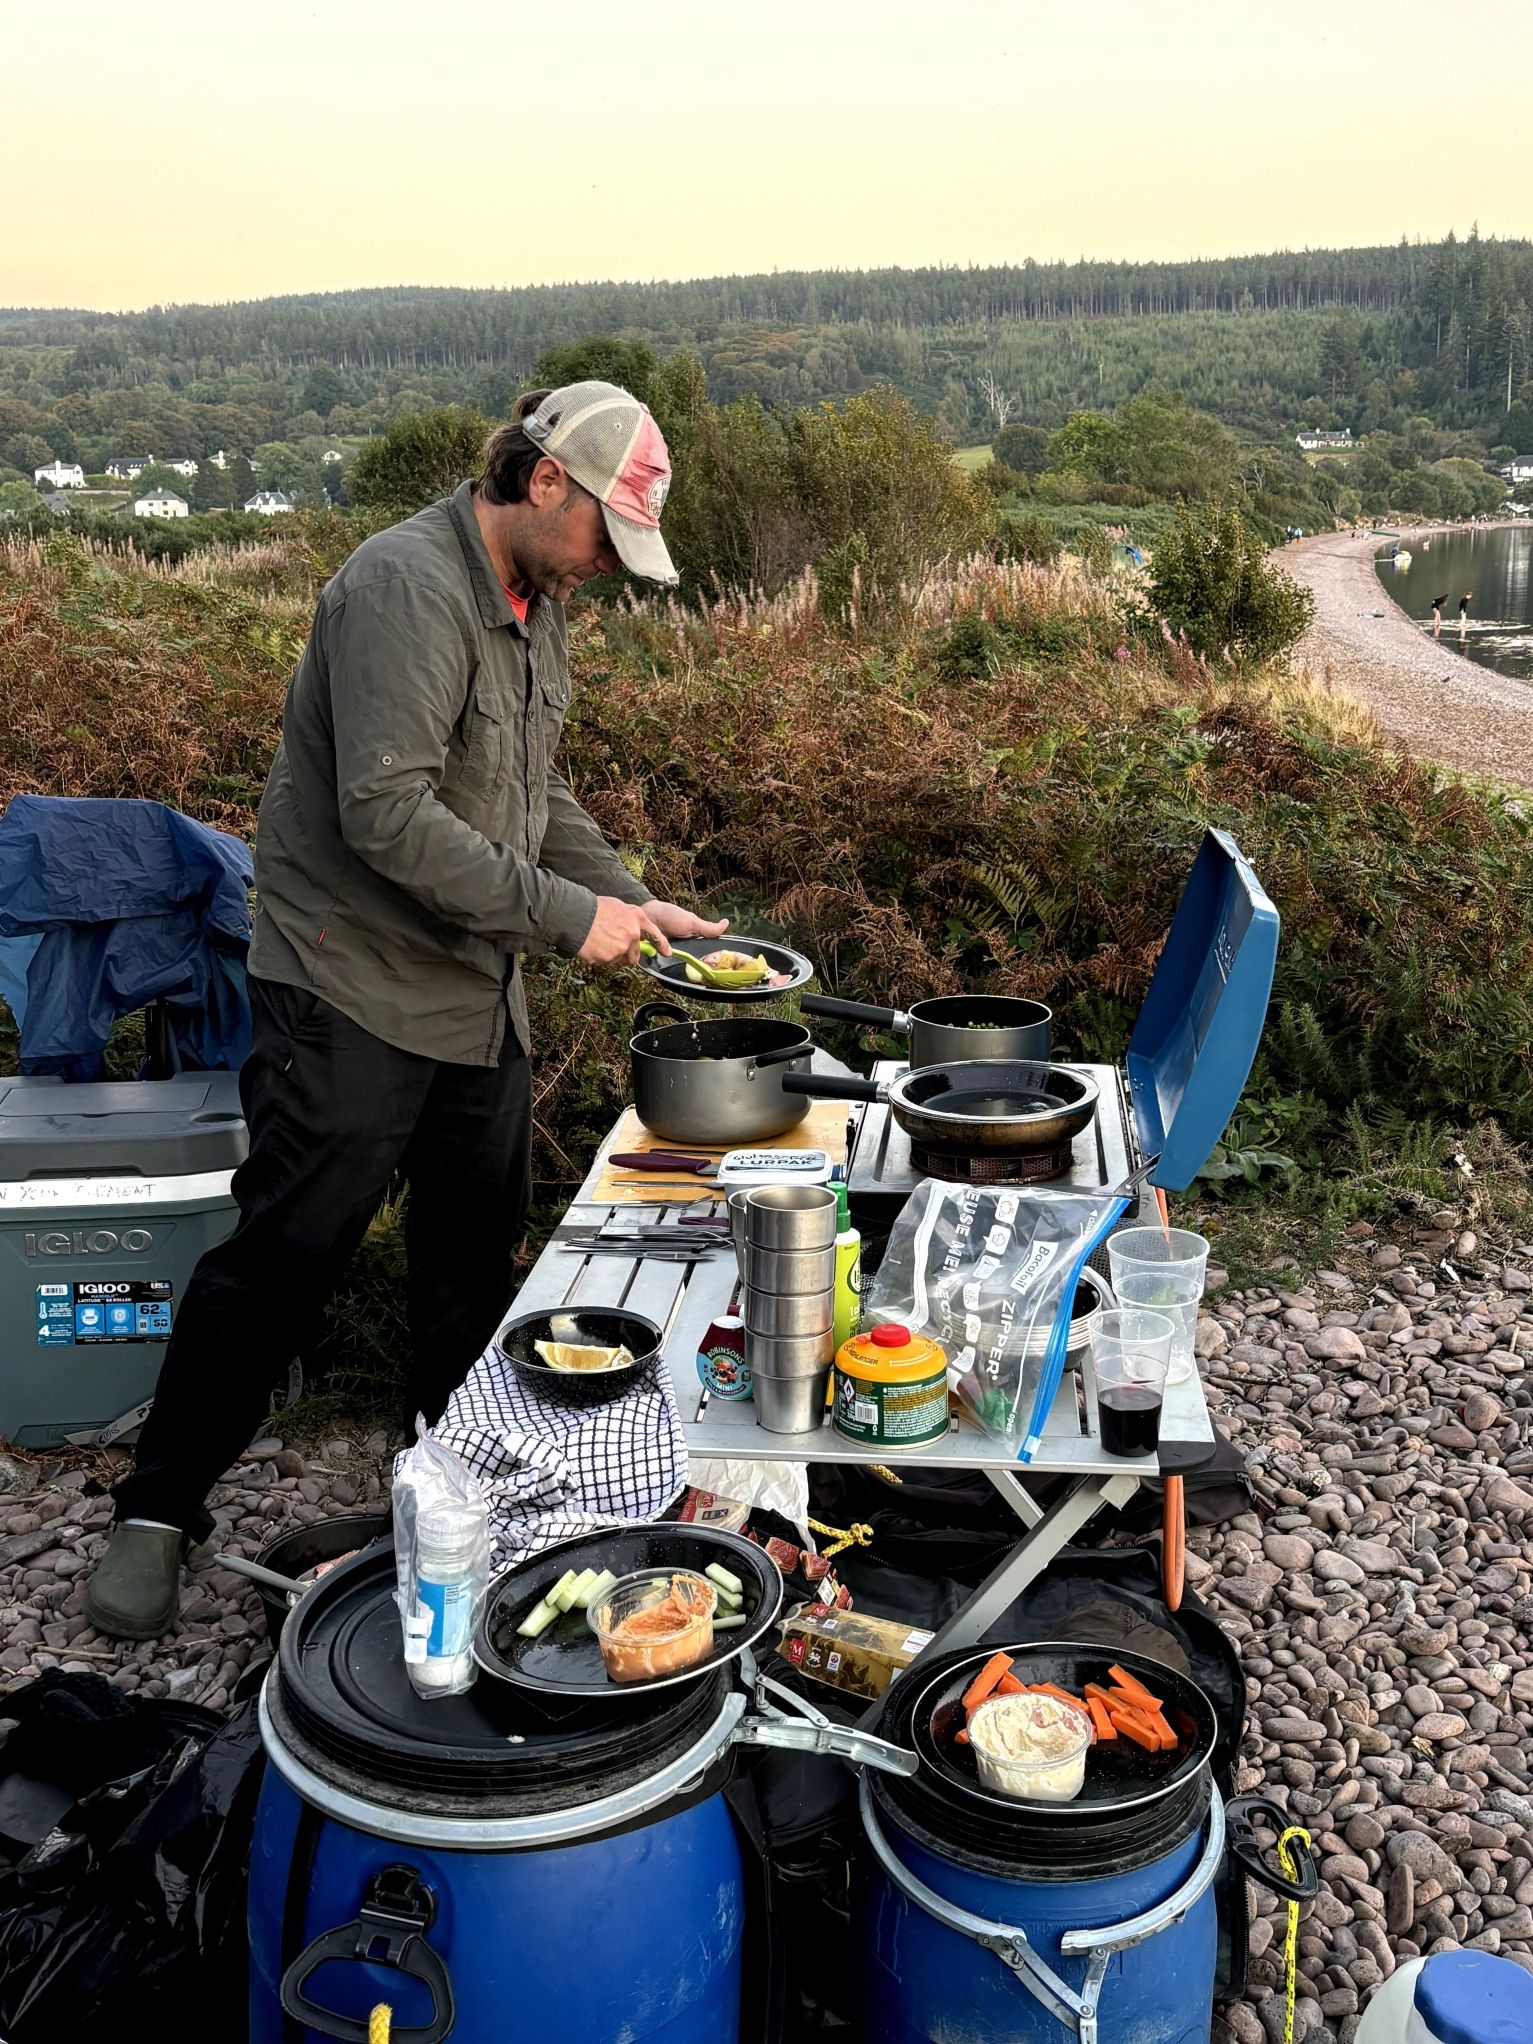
(1326, 439)
(161, 504)
(266, 502)
(128, 468)
(1519, 469)
(63, 475)
(182, 466)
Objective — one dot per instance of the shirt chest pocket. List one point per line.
(549, 701)
(488, 733)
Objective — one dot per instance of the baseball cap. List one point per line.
(611, 445)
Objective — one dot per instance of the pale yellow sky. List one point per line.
(201, 152)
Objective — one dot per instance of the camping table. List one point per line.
(685, 1298)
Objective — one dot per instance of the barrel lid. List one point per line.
(1475, 1998)
(891, 1354)
(350, 1714)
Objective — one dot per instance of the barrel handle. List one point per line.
(388, 1930)
(1010, 1943)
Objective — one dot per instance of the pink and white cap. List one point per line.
(611, 445)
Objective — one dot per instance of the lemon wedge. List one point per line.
(569, 1355)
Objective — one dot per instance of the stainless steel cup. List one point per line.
(784, 1217)
(777, 1314)
(790, 1405)
(789, 1355)
(787, 1270)
(737, 1227)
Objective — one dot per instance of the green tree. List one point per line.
(212, 489)
(19, 500)
(27, 451)
(1090, 444)
(242, 481)
(1023, 448)
(1212, 580)
(419, 459)
(603, 358)
(323, 390)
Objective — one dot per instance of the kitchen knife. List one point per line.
(672, 1162)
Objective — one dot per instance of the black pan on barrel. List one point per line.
(1119, 1774)
(986, 1107)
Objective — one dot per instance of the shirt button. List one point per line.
(388, 759)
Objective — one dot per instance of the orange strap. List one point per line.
(1173, 1548)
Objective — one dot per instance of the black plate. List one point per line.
(1119, 1773)
(566, 1660)
(672, 972)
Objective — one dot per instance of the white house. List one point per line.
(269, 501)
(64, 475)
(128, 468)
(332, 454)
(161, 504)
(182, 466)
(1518, 470)
(220, 459)
(1331, 439)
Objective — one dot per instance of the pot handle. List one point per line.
(821, 1086)
(784, 1054)
(853, 1011)
(388, 1930)
(645, 1017)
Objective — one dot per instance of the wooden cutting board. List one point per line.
(823, 1128)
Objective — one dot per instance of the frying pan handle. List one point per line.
(1248, 1855)
(820, 1086)
(781, 1056)
(650, 1012)
(853, 1011)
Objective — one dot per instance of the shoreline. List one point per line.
(1434, 701)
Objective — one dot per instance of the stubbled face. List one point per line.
(561, 538)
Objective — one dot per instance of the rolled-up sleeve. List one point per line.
(400, 672)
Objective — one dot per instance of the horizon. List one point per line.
(327, 151)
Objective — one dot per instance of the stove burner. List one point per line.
(1017, 1167)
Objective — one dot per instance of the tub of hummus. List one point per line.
(650, 1624)
(1031, 1746)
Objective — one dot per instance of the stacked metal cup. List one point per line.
(788, 1265)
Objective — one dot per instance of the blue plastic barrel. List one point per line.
(1147, 1973)
(487, 1867)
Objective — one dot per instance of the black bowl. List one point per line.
(303, 1547)
(587, 1327)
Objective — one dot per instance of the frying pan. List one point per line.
(956, 1027)
(981, 1107)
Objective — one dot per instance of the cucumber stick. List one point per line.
(723, 1580)
(538, 1620)
(730, 1623)
(562, 1595)
(594, 1590)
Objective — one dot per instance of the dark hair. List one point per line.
(509, 456)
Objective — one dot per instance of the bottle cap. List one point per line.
(890, 1335)
(1474, 1998)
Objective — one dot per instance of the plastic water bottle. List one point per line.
(447, 1547)
(1451, 1998)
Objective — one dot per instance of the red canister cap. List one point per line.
(890, 1335)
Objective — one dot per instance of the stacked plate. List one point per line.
(786, 1239)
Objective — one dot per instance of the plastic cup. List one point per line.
(1130, 1355)
(1059, 1732)
(663, 1650)
(1176, 1293)
(1156, 1249)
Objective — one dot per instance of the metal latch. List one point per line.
(812, 1732)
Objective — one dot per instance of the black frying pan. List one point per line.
(955, 1028)
(983, 1107)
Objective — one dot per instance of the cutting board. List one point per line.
(823, 1128)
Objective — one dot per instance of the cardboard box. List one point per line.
(848, 1649)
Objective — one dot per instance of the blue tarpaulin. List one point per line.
(108, 907)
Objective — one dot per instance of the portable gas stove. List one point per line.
(884, 1167)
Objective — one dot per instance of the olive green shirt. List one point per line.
(414, 837)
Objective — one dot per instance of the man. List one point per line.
(414, 839)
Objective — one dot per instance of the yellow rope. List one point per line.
(379, 2024)
(1290, 1867)
(854, 1536)
(888, 1475)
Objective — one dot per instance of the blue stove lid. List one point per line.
(1196, 1037)
(1475, 1998)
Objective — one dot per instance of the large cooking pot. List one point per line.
(956, 1028)
(716, 1083)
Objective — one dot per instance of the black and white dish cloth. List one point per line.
(552, 1472)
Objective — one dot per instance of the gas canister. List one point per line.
(891, 1388)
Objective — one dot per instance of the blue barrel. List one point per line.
(486, 1867)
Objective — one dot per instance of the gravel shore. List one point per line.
(1435, 701)
(1380, 1593)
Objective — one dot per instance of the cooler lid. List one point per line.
(152, 1128)
(1475, 1998)
(1196, 1037)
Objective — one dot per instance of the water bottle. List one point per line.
(1451, 1998)
(448, 1547)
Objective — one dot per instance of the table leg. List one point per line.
(1033, 1552)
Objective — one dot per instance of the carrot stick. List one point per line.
(1133, 1685)
(1105, 1728)
(1064, 1696)
(961, 1738)
(1008, 1686)
(1137, 1730)
(986, 1680)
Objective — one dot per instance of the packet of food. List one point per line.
(849, 1649)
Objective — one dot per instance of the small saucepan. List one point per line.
(716, 1083)
(954, 1029)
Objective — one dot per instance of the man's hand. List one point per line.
(614, 937)
(681, 922)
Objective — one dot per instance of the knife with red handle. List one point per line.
(671, 1162)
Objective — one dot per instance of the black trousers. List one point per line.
(333, 1114)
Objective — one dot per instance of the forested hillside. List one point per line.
(1372, 337)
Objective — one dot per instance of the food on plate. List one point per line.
(649, 1625)
(728, 968)
(576, 1590)
(323, 1568)
(1029, 1745)
(1121, 1708)
(570, 1355)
